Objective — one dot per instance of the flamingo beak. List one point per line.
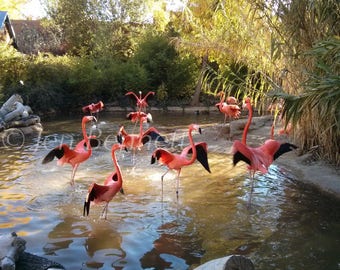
(200, 130)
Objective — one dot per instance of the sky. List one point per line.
(34, 9)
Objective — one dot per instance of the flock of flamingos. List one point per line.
(258, 158)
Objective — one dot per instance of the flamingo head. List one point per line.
(220, 94)
(246, 103)
(116, 147)
(195, 127)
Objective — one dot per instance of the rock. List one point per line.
(232, 262)
(11, 246)
(20, 111)
(237, 126)
(9, 105)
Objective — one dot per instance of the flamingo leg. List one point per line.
(251, 188)
(133, 157)
(177, 182)
(75, 167)
(104, 212)
(162, 180)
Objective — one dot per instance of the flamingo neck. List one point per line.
(141, 126)
(250, 116)
(115, 162)
(86, 138)
(220, 105)
(194, 152)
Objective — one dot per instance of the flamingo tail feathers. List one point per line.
(284, 148)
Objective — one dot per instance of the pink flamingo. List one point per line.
(93, 108)
(229, 108)
(136, 116)
(257, 158)
(178, 161)
(141, 102)
(77, 155)
(136, 141)
(285, 129)
(98, 194)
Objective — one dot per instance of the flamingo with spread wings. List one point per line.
(76, 156)
(178, 161)
(257, 158)
(230, 108)
(98, 194)
(93, 108)
(136, 141)
(141, 102)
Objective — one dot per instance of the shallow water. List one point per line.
(289, 226)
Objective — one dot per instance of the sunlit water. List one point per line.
(289, 225)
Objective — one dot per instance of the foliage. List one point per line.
(97, 28)
(165, 67)
(317, 109)
(227, 33)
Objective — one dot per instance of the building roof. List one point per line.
(5, 22)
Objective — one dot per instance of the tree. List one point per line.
(223, 32)
(93, 27)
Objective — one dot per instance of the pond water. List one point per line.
(289, 226)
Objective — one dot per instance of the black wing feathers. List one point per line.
(56, 152)
(284, 148)
(238, 156)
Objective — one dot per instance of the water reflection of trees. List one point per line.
(102, 241)
(184, 249)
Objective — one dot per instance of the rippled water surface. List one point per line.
(289, 226)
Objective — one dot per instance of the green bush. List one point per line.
(166, 68)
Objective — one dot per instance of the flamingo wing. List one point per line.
(162, 155)
(239, 156)
(135, 116)
(57, 152)
(113, 177)
(95, 191)
(202, 154)
(152, 134)
(94, 142)
(284, 148)
(241, 152)
(143, 101)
